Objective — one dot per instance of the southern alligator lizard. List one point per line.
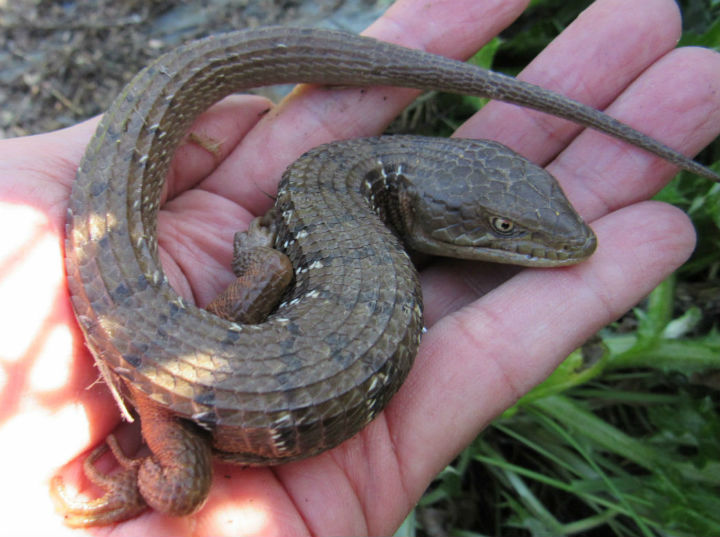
(330, 356)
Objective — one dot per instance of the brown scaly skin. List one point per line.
(339, 346)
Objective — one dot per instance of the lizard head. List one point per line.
(483, 201)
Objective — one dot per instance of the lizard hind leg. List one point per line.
(176, 478)
(263, 274)
(121, 501)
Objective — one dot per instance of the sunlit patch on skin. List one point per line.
(33, 256)
(49, 372)
(250, 517)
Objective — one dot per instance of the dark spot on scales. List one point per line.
(133, 359)
(231, 337)
(205, 398)
(363, 252)
(112, 132)
(142, 282)
(98, 188)
(284, 379)
(294, 329)
(337, 340)
(120, 293)
(344, 358)
(287, 344)
(292, 361)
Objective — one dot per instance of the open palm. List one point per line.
(493, 332)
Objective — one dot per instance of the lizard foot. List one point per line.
(121, 501)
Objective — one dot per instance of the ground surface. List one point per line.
(62, 62)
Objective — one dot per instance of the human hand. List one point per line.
(479, 355)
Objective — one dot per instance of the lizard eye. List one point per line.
(503, 226)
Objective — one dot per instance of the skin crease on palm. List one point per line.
(479, 355)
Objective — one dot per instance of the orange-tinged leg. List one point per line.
(121, 501)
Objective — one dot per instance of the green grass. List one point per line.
(624, 438)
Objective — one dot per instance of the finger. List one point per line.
(676, 100)
(592, 61)
(213, 136)
(314, 115)
(39, 170)
(476, 362)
